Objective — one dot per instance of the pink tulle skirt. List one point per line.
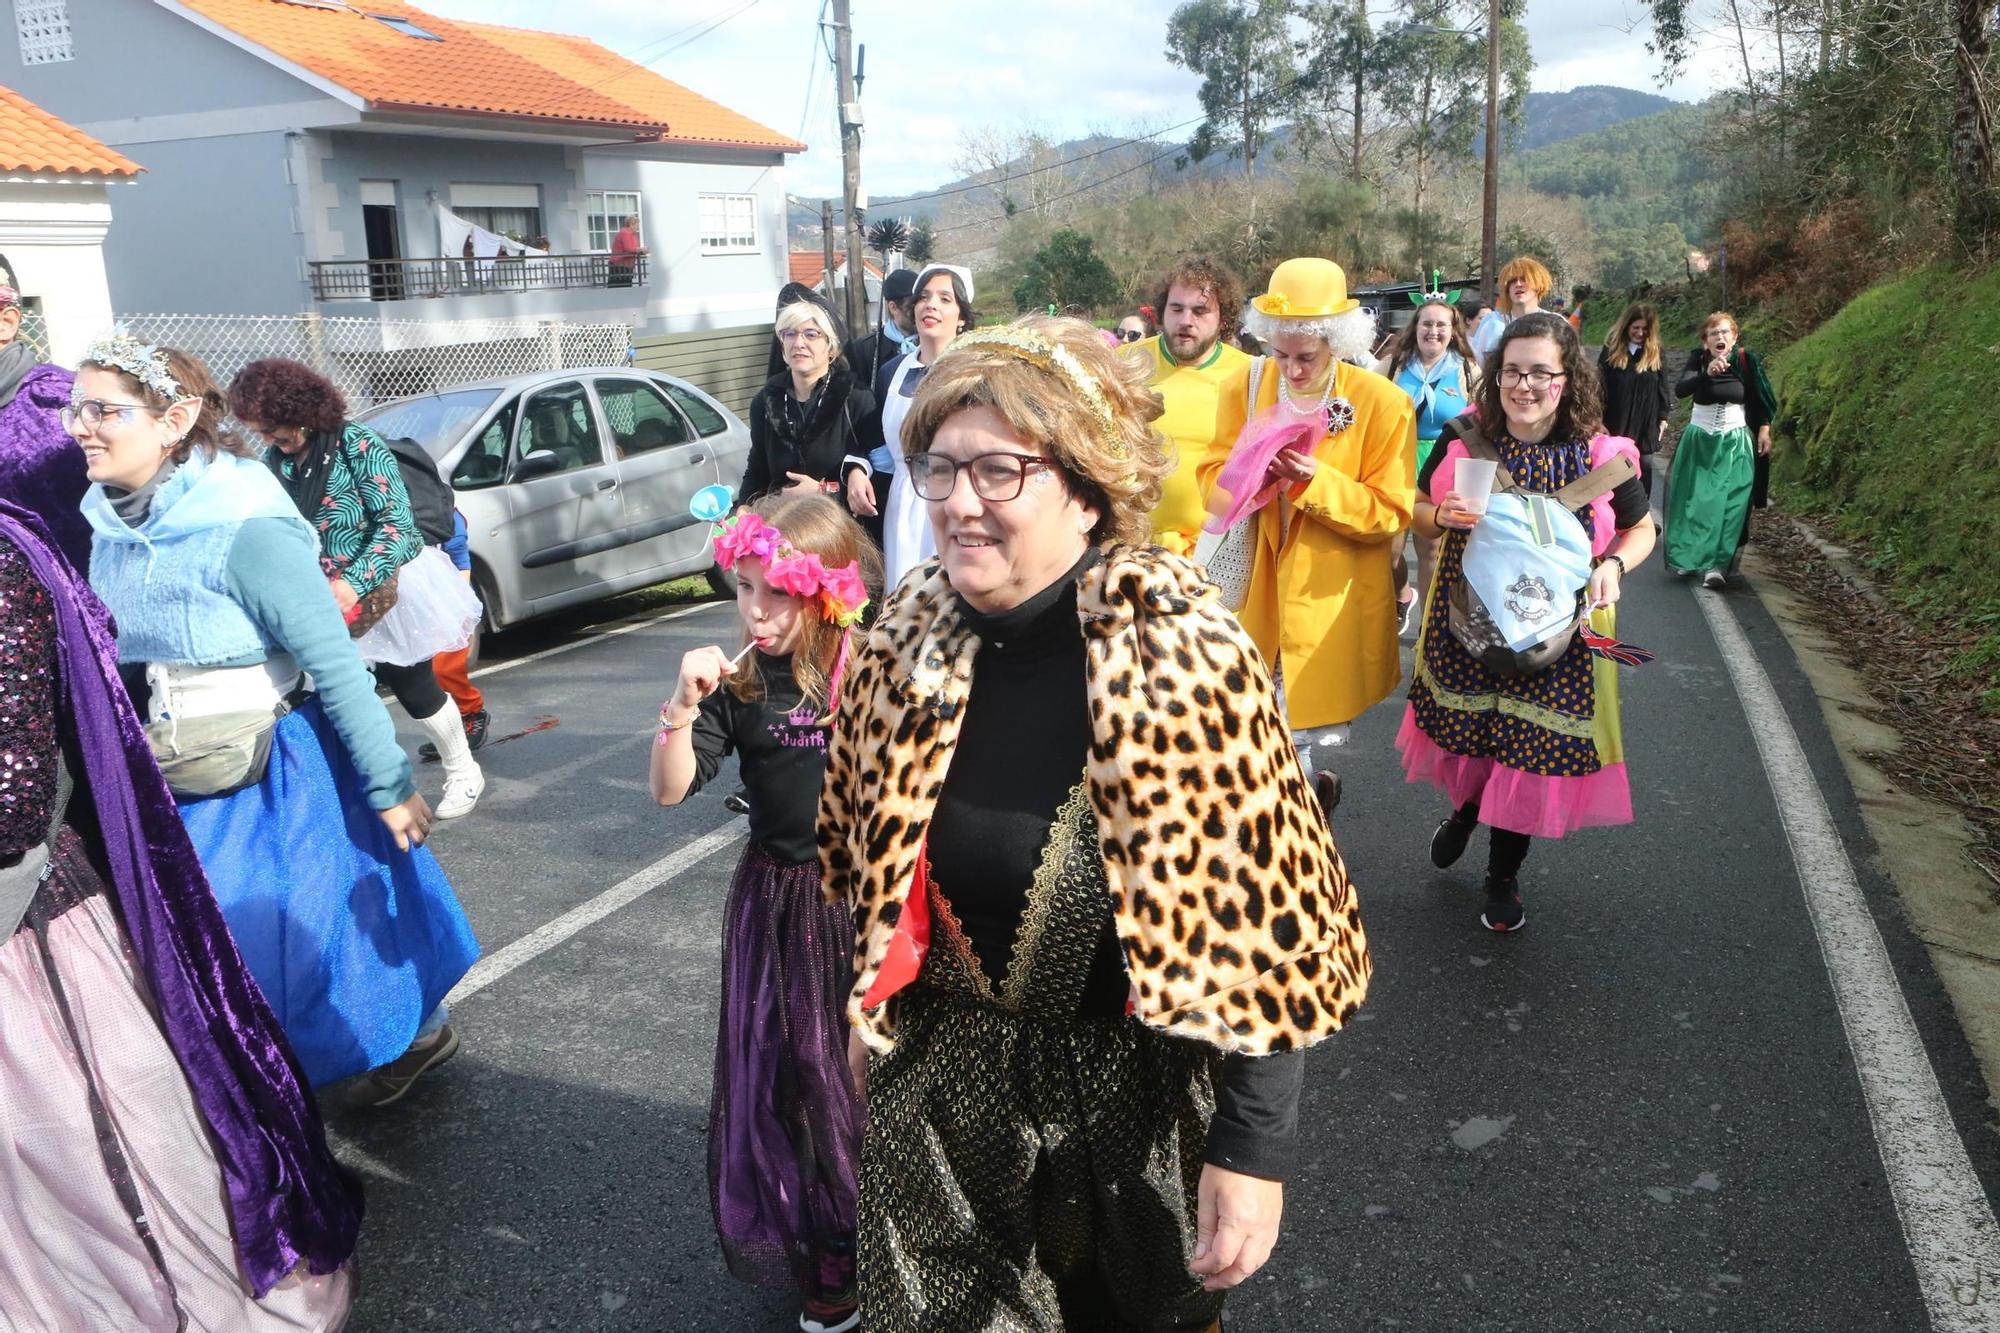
(1541, 807)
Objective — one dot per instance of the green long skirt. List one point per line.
(1709, 499)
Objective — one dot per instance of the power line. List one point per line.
(640, 64)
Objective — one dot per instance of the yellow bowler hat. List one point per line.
(1306, 289)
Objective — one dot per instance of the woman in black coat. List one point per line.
(807, 423)
(1637, 394)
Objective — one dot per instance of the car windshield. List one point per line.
(435, 420)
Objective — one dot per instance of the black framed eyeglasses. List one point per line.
(998, 477)
(1538, 380)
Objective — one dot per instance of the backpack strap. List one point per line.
(1601, 480)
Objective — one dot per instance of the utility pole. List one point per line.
(1489, 221)
(850, 160)
(826, 245)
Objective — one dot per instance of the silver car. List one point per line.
(575, 484)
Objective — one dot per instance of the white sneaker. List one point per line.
(460, 795)
(1714, 578)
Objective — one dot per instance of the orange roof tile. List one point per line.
(33, 140)
(808, 265)
(688, 116)
(465, 71)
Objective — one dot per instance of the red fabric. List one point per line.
(451, 670)
(625, 246)
(911, 941)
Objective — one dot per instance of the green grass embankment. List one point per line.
(1888, 428)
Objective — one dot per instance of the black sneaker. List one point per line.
(1503, 912)
(475, 736)
(1448, 843)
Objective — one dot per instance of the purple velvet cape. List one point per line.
(289, 1199)
(41, 467)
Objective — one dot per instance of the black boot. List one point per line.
(1326, 786)
(1448, 843)
(1503, 912)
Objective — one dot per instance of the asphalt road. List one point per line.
(1643, 1112)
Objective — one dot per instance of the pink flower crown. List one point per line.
(841, 593)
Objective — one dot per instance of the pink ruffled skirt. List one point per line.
(1541, 807)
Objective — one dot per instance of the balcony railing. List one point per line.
(416, 279)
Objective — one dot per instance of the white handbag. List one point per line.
(1229, 558)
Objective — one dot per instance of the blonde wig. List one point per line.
(800, 313)
(1062, 389)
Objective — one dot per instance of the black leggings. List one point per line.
(1505, 849)
(415, 687)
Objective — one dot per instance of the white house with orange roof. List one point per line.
(55, 209)
(300, 155)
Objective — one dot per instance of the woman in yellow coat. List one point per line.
(1326, 465)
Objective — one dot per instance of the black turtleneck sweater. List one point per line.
(1021, 748)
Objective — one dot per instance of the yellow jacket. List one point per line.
(1198, 411)
(1324, 607)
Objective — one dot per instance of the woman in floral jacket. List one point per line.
(403, 600)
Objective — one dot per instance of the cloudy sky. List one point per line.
(1072, 66)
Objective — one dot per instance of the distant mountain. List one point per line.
(1555, 117)
(1551, 118)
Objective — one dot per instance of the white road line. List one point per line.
(1947, 1222)
(676, 614)
(628, 890)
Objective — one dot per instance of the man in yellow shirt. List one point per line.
(1191, 359)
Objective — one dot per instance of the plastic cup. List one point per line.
(1473, 480)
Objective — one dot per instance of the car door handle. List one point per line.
(697, 460)
(607, 485)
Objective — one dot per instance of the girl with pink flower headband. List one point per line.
(785, 1124)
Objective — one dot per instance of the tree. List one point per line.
(921, 248)
(888, 236)
(1243, 52)
(1439, 97)
(1067, 273)
(1338, 92)
(1975, 187)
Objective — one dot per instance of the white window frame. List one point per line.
(597, 208)
(728, 223)
(44, 32)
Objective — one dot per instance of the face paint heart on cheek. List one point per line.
(1555, 393)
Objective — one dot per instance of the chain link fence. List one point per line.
(376, 360)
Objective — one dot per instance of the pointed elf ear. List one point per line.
(1451, 298)
(1416, 298)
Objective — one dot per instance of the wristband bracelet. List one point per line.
(1614, 560)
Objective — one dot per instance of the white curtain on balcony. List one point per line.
(454, 230)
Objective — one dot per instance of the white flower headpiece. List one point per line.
(144, 362)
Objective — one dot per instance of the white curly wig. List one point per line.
(1351, 336)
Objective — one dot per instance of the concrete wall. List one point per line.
(209, 230)
(142, 73)
(688, 290)
(51, 233)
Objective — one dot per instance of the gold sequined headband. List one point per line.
(1049, 355)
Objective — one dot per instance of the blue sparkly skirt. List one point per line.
(352, 939)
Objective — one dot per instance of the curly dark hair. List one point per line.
(277, 392)
(1580, 413)
(1208, 274)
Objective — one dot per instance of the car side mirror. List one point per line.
(537, 463)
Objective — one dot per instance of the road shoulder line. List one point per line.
(1947, 1222)
(633, 887)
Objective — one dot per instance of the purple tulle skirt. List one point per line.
(784, 1129)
